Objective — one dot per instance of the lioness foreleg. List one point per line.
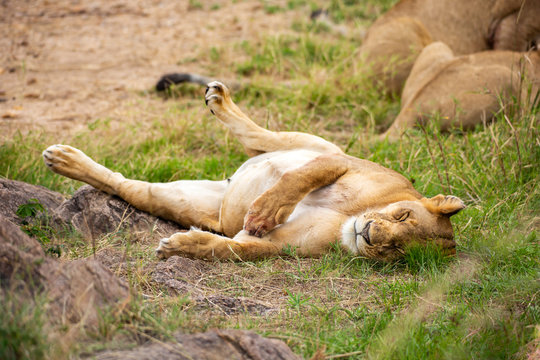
(274, 206)
(205, 245)
(310, 233)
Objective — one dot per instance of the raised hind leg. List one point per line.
(255, 139)
(187, 202)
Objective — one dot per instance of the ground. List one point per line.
(82, 73)
(66, 63)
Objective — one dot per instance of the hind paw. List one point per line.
(65, 160)
(215, 95)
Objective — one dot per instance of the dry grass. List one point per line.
(482, 304)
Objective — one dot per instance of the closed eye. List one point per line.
(403, 216)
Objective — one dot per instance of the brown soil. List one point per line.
(65, 63)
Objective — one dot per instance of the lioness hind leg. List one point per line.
(187, 202)
(74, 164)
(255, 139)
(205, 245)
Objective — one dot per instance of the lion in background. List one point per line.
(464, 91)
(395, 40)
(459, 60)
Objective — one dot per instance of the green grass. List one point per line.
(482, 304)
(23, 334)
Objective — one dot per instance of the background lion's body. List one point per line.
(457, 60)
(467, 27)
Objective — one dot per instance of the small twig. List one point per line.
(499, 157)
(344, 355)
(430, 153)
(520, 11)
(516, 140)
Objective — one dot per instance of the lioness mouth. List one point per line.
(364, 233)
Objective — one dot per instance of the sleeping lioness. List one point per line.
(467, 90)
(396, 39)
(297, 191)
(461, 60)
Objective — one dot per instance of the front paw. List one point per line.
(257, 224)
(163, 250)
(172, 245)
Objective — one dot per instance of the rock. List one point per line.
(179, 274)
(20, 257)
(78, 290)
(211, 345)
(90, 211)
(12, 235)
(16, 193)
(95, 213)
(182, 276)
(234, 305)
(112, 258)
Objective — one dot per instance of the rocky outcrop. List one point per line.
(82, 289)
(95, 213)
(182, 276)
(16, 193)
(91, 212)
(78, 290)
(19, 258)
(211, 345)
(179, 275)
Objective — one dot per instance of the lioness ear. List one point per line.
(444, 205)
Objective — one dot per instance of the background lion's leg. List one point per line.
(205, 245)
(187, 202)
(255, 139)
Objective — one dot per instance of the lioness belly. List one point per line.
(253, 178)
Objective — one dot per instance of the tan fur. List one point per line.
(464, 90)
(300, 191)
(396, 39)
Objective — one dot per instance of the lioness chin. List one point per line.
(297, 190)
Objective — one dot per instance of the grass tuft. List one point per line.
(482, 303)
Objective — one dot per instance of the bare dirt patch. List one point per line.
(66, 63)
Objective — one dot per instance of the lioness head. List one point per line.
(385, 234)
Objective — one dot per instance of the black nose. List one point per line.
(365, 232)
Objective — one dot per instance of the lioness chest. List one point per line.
(365, 187)
(253, 178)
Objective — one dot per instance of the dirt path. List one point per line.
(66, 62)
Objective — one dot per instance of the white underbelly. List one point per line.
(253, 178)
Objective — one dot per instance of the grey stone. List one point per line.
(211, 345)
(95, 213)
(78, 290)
(16, 193)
